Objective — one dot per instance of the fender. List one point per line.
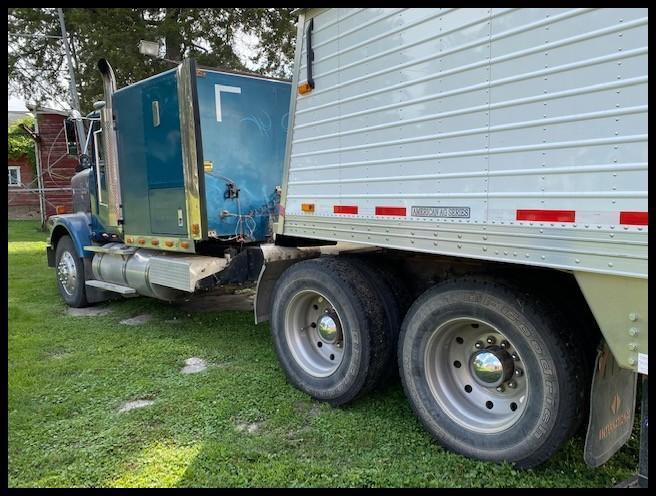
(77, 226)
(276, 259)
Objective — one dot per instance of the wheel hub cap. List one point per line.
(328, 329)
(476, 375)
(492, 366)
(66, 273)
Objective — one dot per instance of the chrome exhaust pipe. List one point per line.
(109, 144)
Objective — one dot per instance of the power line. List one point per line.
(37, 69)
(34, 35)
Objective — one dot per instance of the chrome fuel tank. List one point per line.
(131, 270)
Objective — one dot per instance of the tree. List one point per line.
(36, 62)
(19, 143)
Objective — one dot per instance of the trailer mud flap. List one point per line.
(612, 407)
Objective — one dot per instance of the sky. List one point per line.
(16, 103)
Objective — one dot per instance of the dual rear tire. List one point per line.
(334, 328)
(490, 371)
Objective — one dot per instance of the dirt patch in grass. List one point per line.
(308, 408)
(88, 311)
(58, 354)
(138, 320)
(249, 428)
(194, 365)
(132, 405)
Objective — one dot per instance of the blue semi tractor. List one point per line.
(183, 174)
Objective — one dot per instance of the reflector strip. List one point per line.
(345, 209)
(635, 218)
(547, 215)
(307, 207)
(400, 211)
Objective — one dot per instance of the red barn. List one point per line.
(57, 154)
(21, 203)
(57, 157)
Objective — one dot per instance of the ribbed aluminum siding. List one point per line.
(492, 109)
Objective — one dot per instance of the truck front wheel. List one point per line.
(70, 273)
(328, 329)
(491, 372)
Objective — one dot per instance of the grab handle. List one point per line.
(310, 52)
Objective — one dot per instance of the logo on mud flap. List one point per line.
(445, 212)
(617, 421)
(615, 403)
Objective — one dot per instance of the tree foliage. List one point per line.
(36, 63)
(19, 143)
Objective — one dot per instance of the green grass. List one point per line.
(69, 375)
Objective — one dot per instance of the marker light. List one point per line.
(304, 88)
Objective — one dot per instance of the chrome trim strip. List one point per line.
(290, 124)
(189, 150)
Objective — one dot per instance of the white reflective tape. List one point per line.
(643, 362)
(218, 88)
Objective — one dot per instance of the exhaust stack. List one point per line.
(109, 143)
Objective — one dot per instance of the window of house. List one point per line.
(71, 136)
(14, 176)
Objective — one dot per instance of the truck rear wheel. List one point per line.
(328, 329)
(391, 296)
(70, 273)
(491, 372)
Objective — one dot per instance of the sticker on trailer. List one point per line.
(218, 89)
(643, 362)
(447, 212)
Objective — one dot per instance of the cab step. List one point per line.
(108, 286)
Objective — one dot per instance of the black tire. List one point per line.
(363, 321)
(390, 296)
(556, 390)
(75, 297)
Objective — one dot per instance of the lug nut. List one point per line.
(518, 372)
(491, 340)
(515, 357)
(500, 388)
(512, 384)
(504, 344)
(478, 345)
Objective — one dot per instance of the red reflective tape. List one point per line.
(635, 218)
(547, 215)
(345, 209)
(281, 210)
(390, 211)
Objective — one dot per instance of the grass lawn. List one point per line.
(238, 423)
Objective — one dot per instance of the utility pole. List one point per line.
(75, 102)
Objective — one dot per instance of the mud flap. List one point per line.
(612, 407)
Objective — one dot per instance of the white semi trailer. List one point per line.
(463, 200)
(495, 162)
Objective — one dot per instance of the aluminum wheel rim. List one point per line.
(67, 273)
(456, 383)
(313, 330)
